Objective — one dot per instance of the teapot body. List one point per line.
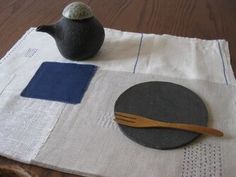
(78, 39)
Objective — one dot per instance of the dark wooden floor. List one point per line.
(207, 19)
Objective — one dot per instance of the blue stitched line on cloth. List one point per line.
(223, 64)
(139, 48)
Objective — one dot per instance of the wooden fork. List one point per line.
(143, 122)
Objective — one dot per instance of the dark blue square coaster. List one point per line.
(65, 82)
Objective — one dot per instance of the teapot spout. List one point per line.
(50, 29)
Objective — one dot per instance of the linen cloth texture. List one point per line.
(63, 82)
(95, 146)
(30, 126)
(171, 56)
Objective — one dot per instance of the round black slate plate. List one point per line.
(162, 101)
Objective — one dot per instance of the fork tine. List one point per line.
(130, 124)
(125, 119)
(123, 122)
(130, 116)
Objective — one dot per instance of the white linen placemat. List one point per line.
(87, 141)
(166, 55)
(28, 123)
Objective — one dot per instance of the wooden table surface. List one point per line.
(206, 19)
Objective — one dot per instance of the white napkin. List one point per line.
(31, 129)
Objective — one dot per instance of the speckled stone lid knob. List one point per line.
(77, 11)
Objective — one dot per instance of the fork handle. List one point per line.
(189, 127)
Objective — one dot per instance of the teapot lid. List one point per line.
(77, 11)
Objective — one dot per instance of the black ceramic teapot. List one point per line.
(78, 34)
